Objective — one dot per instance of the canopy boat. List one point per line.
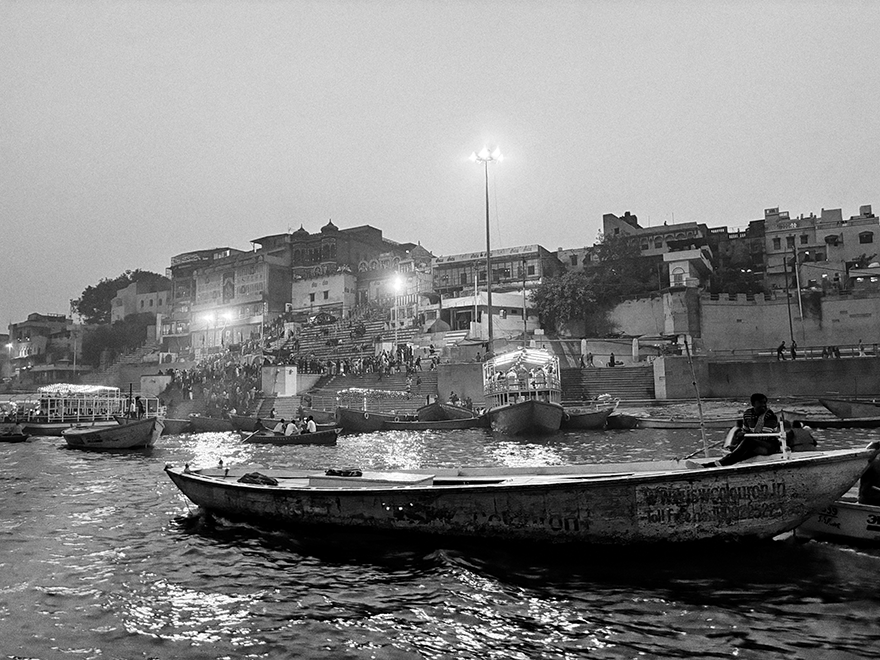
(363, 420)
(848, 409)
(201, 424)
(846, 519)
(325, 437)
(62, 405)
(523, 391)
(686, 422)
(628, 503)
(132, 434)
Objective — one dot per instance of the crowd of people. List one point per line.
(227, 383)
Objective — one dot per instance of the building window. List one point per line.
(777, 243)
(866, 237)
(658, 242)
(463, 279)
(311, 297)
(142, 304)
(482, 277)
(574, 259)
(678, 276)
(804, 239)
(151, 302)
(789, 241)
(531, 270)
(326, 295)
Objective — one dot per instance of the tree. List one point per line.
(95, 302)
(116, 339)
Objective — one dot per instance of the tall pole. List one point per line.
(486, 157)
(488, 260)
(525, 325)
(787, 298)
(797, 280)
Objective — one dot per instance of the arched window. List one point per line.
(678, 275)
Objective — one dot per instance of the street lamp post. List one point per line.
(396, 284)
(485, 157)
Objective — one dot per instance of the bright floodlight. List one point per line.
(209, 318)
(486, 156)
(397, 282)
(227, 316)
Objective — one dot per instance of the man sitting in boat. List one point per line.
(291, 428)
(757, 419)
(799, 438)
(311, 427)
(279, 427)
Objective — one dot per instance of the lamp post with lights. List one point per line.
(485, 157)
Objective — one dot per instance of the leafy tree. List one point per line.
(95, 302)
(116, 339)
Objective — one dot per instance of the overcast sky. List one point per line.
(134, 131)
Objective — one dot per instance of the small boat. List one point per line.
(845, 520)
(849, 409)
(365, 421)
(132, 434)
(435, 425)
(438, 411)
(201, 424)
(176, 426)
(829, 422)
(523, 392)
(13, 437)
(686, 422)
(619, 421)
(327, 437)
(608, 504)
(243, 422)
(573, 418)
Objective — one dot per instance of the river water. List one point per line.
(102, 557)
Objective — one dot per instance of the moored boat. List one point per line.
(618, 421)
(13, 437)
(849, 409)
(628, 503)
(362, 421)
(686, 422)
(829, 422)
(131, 435)
(594, 420)
(435, 425)
(845, 520)
(326, 437)
(243, 422)
(438, 411)
(201, 424)
(175, 426)
(523, 392)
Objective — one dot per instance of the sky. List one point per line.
(134, 131)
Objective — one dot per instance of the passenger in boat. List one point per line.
(799, 438)
(453, 398)
(279, 427)
(311, 427)
(869, 484)
(757, 419)
(291, 428)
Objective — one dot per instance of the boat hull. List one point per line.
(442, 411)
(58, 428)
(13, 437)
(618, 421)
(131, 435)
(539, 417)
(836, 422)
(842, 520)
(587, 421)
(327, 437)
(176, 426)
(601, 504)
(360, 421)
(210, 424)
(851, 409)
(243, 422)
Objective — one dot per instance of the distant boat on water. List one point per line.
(849, 409)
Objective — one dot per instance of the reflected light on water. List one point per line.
(515, 454)
(176, 613)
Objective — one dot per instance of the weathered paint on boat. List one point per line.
(327, 437)
(131, 435)
(595, 420)
(686, 422)
(599, 504)
(201, 424)
(526, 417)
(846, 520)
(852, 409)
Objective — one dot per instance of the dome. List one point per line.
(301, 232)
(329, 227)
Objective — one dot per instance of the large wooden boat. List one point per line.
(848, 409)
(686, 422)
(326, 437)
(54, 408)
(523, 392)
(629, 503)
(201, 424)
(176, 426)
(243, 422)
(845, 520)
(362, 421)
(131, 435)
(587, 420)
(361, 410)
(829, 422)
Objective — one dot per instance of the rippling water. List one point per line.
(102, 557)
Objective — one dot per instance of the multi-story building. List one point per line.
(512, 269)
(654, 241)
(824, 246)
(44, 348)
(141, 297)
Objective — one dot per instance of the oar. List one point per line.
(705, 449)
